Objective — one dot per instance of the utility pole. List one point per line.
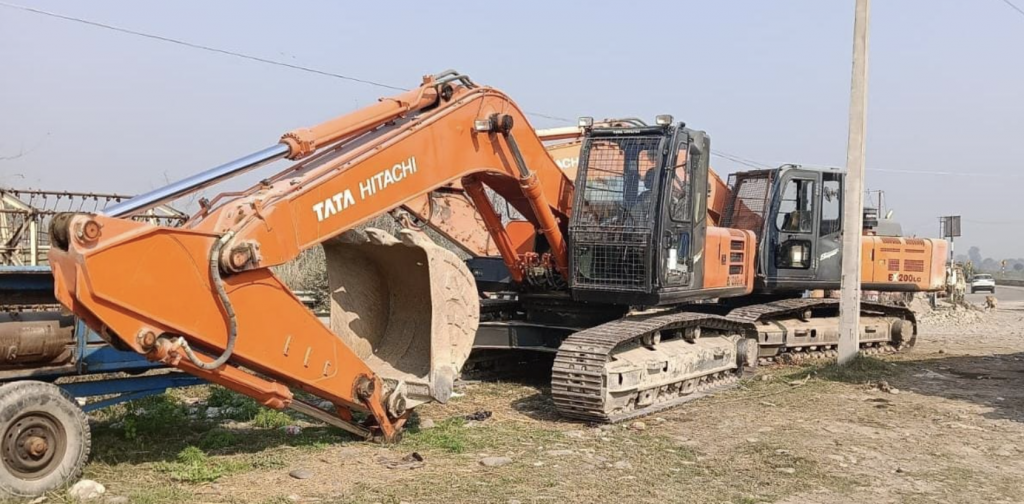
(853, 203)
(881, 195)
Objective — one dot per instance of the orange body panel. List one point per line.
(903, 264)
(492, 222)
(522, 234)
(567, 157)
(729, 258)
(451, 212)
(718, 197)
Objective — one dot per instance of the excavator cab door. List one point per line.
(639, 221)
(792, 228)
(684, 217)
(615, 216)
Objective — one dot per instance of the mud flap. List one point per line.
(406, 306)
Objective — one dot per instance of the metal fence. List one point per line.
(25, 220)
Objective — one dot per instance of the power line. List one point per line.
(725, 155)
(227, 52)
(203, 47)
(545, 116)
(1014, 7)
(740, 160)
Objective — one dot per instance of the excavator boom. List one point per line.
(404, 312)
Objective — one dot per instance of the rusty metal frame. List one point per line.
(25, 215)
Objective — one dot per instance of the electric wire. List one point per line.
(227, 52)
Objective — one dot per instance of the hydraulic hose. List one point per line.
(229, 311)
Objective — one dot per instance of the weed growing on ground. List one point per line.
(193, 466)
(271, 419)
(217, 439)
(151, 415)
(233, 405)
(448, 436)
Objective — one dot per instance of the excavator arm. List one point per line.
(203, 298)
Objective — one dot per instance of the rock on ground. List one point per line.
(86, 490)
(495, 461)
(301, 474)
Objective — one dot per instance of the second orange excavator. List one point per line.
(646, 301)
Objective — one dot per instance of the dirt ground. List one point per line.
(950, 428)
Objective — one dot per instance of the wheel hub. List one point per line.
(33, 446)
(37, 446)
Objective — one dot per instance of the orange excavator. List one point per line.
(606, 267)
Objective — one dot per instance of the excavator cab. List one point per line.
(639, 227)
(796, 213)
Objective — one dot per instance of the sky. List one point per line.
(89, 109)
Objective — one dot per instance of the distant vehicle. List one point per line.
(983, 282)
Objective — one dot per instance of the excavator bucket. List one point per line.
(406, 306)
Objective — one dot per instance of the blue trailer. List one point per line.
(44, 431)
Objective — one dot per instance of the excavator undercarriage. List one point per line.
(652, 360)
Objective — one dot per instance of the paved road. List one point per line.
(1003, 294)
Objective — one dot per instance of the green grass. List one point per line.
(233, 405)
(217, 439)
(448, 436)
(162, 494)
(271, 419)
(151, 415)
(278, 499)
(194, 466)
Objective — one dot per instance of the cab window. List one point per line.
(679, 203)
(831, 204)
(796, 210)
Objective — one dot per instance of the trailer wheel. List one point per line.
(45, 441)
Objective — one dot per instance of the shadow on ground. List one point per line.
(991, 381)
(113, 443)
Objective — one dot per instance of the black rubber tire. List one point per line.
(32, 399)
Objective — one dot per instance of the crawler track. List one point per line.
(578, 374)
(580, 371)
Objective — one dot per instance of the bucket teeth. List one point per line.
(415, 238)
(380, 237)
